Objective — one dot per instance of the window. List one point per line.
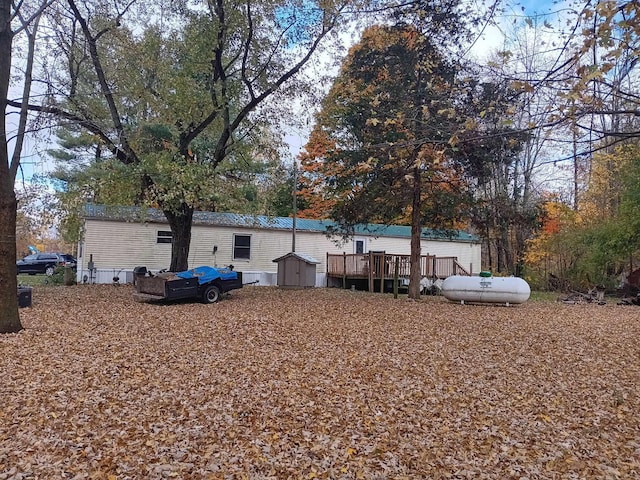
(242, 247)
(164, 236)
(359, 245)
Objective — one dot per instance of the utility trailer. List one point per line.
(204, 283)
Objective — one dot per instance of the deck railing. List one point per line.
(377, 265)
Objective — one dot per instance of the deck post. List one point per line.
(371, 266)
(344, 270)
(383, 272)
(327, 270)
(396, 274)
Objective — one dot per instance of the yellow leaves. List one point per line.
(606, 8)
(557, 218)
(376, 121)
(544, 417)
(607, 67)
(523, 86)
(446, 112)
(587, 73)
(600, 201)
(470, 124)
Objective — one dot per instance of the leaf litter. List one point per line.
(317, 383)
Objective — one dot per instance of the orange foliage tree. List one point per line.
(313, 189)
(550, 256)
(381, 149)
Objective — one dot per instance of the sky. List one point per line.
(33, 158)
(492, 37)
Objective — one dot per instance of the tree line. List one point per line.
(173, 105)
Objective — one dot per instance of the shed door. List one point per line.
(292, 272)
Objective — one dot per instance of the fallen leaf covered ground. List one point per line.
(318, 383)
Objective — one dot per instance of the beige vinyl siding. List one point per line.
(121, 245)
(266, 245)
(124, 245)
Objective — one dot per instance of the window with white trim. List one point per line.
(359, 245)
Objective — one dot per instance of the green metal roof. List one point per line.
(139, 214)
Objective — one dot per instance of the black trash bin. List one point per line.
(24, 296)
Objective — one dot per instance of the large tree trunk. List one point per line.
(180, 222)
(9, 316)
(416, 232)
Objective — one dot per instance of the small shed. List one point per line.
(296, 270)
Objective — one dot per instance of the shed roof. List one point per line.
(302, 256)
(153, 215)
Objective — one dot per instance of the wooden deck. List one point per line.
(380, 267)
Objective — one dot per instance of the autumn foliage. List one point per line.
(598, 242)
(315, 172)
(386, 121)
(549, 254)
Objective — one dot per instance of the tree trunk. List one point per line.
(180, 222)
(416, 232)
(9, 316)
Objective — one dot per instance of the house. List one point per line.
(118, 239)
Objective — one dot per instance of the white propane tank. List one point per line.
(486, 289)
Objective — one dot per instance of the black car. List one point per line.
(44, 263)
